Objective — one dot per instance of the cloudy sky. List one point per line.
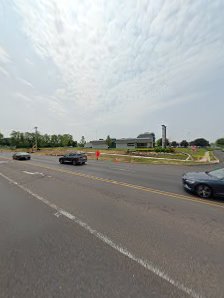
(114, 67)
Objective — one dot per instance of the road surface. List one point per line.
(106, 230)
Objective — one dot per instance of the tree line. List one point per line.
(200, 142)
(28, 139)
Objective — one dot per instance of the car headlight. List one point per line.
(190, 181)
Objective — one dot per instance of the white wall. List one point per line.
(124, 146)
(99, 146)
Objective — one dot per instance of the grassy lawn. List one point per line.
(179, 157)
(129, 159)
(212, 156)
(196, 155)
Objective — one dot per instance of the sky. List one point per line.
(118, 68)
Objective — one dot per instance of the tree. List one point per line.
(159, 142)
(54, 141)
(27, 140)
(174, 144)
(184, 144)
(6, 142)
(82, 142)
(220, 142)
(66, 140)
(1, 138)
(15, 138)
(109, 141)
(45, 140)
(201, 142)
(74, 144)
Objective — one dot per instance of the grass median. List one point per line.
(181, 156)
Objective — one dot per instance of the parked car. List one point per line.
(205, 184)
(75, 158)
(21, 156)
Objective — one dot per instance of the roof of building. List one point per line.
(98, 142)
(126, 140)
(146, 135)
(134, 140)
(142, 138)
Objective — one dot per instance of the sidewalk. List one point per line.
(207, 158)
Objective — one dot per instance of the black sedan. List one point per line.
(75, 158)
(205, 184)
(21, 156)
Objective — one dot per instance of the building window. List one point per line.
(141, 145)
(131, 144)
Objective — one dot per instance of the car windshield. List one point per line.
(217, 173)
(22, 153)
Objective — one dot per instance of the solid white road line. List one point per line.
(144, 263)
(33, 173)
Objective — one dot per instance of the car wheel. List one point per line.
(204, 191)
(83, 163)
(61, 161)
(74, 163)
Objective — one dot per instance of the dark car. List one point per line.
(21, 156)
(75, 158)
(205, 184)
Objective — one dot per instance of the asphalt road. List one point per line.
(106, 230)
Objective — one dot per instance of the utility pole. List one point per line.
(35, 136)
(163, 136)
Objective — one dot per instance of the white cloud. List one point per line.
(122, 60)
(25, 82)
(4, 60)
(4, 56)
(3, 71)
(29, 62)
(21, 97)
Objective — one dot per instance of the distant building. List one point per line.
(145, 140)
(97, 144)
(88, 145)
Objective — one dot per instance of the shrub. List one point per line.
(164, 150)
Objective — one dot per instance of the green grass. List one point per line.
(159, 156)
(196, 155)
(129, 159)
(160, 161)
(172, 156)
(212, 156)
(142, 150)
(178, 157)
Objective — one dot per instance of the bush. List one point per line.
(165, 150)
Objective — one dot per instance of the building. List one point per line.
(145, 140)
(97, 144)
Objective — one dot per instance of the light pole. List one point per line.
(163, 136)
(35, 136)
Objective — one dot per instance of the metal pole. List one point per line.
(36, 135)
(163, 136)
